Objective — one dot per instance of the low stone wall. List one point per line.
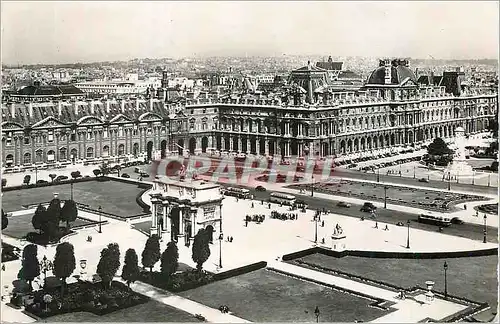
(240, 271)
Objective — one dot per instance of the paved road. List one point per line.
(471, 231)
(414, 182)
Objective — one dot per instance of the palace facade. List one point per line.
(308, 117)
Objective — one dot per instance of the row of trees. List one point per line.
(46, 221)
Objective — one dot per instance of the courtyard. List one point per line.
(266, 296)
(114, 197)
(420, 198)
(474, 278)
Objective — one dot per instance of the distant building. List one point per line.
(118, 88)
(37, 92)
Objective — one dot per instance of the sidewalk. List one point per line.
(211, 314)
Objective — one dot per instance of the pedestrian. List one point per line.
(376, 224)
(252, 204)
(231, 239)
(322, 223)
(386, 227)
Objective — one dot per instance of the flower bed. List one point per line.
(182, 281)
(84, 296)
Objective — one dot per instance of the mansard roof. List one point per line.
(75, 112)
(50, 90)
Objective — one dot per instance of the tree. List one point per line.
(104, 169)
(52, 176)
(76, 174)
(38, 218)
(115, 256)
(69, 212)
(4, 182)
(27, 179)
(64, 262)
(106, 268)
(151, 253)
(201, 248)
(5, 220)
(96, 172)
(438, 148)
(52, 218)
(130, 272)
(30, 265)
(493, 125)
(170, 259)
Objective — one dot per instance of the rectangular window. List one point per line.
(9, 139)
(105, 133)
(50, 137)
(120, 131)
(89, 135)
(73, 137)
(26, 140)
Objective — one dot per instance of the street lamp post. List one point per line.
(71, 185)
(445, 267)
(414, 171)
(316, 312)
(449, 181)
(378, 175)
(385, 197)
(408, 237)
(489, 179)
(484, 230)
(100, 224)
(36, 174)
(312, 184)
(316, 229)
(221, 237)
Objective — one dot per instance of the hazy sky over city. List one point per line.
(63, 32)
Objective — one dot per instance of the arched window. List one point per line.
(90, 152)
(74, 153)
(121, 149)
(39, 156)
(105, 151)
(27, 158)
(63, 154)
(9, 159)
(51, 156)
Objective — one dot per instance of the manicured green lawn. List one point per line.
(473, 278)
(114, 197)
(151, 311)
(20, 225)
(265, 296)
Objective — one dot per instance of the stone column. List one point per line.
(240, 144)
(154, 220)
(267, 146)
(257, 146)
(166, 226)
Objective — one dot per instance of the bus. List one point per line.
(434, 219)
(281, 198)
(237, 192)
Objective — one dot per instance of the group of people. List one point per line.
(284, 216)
(254, 218)
(224, 309)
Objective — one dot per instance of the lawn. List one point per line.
(421, 198)
(20, 225)
(151, 311)
(473, 278)
(114, 197)
(265, 296)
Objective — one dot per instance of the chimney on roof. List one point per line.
(122, 104)
(107, 106)
(59, 108)
(75, 105)
(30, 109)
(137, 103)
(151, 104)
(13, 110)
(388, 70)
(91, 104)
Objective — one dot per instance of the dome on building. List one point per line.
(399, 73)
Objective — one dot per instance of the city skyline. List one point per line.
(63, 32)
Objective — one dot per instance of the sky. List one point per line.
(71, 32)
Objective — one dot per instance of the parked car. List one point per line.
(144, 175)
(260, 188)
(400, 224)
(125, 175)
(457, 221)
(423, 180)
(61, 178)
(368, 207)
(42, 181)
(343, 204)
